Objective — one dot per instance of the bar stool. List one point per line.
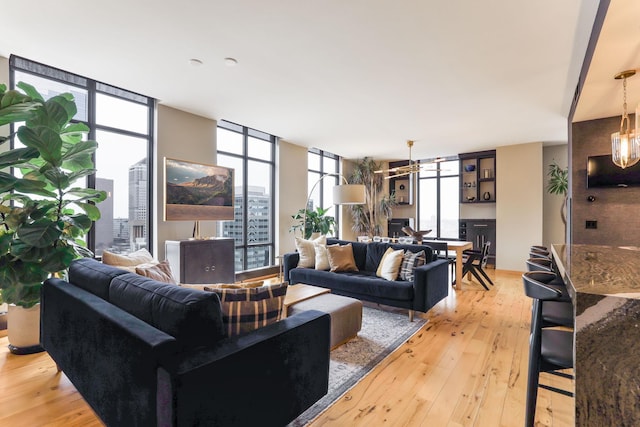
(539, 264)
(550, 350)
(537, 253)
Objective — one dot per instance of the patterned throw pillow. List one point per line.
(247, 309)
(410, 261)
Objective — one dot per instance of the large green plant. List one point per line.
(40, 230)
(370, 218)
(559, 184)
(313, 221)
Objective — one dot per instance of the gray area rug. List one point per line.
(382, 332)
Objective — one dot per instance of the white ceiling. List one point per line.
(353, 77)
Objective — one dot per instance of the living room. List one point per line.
(526, 213)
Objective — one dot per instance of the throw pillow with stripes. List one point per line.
(410, 261)
(247, 309)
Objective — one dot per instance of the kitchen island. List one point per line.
(604, 284)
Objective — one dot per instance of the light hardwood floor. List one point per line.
(466, 367)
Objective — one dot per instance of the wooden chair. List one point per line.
(475, 262)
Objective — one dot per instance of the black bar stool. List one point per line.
(549, 349)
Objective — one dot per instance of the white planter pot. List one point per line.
(23, 329)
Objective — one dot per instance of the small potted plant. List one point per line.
(313, 221)
(40, 230)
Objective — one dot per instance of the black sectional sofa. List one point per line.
(430, 284)
(144, 353)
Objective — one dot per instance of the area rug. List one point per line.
(382, 332)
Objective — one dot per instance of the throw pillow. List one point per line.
(379, 269)
(307, 252)
(341, 258)
(247, 309)
(322, 260)
(132, 259)
(390, 264)
(160, 272)
(410, 261)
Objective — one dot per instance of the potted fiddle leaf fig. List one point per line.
(313, 221)
(44, 214)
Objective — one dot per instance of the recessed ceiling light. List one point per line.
(230, 62)
(195, 62)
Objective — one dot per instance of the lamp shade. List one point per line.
(349, 194)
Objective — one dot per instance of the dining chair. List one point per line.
(475, 262)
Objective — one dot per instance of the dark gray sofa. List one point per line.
(430, 284)
(144, 353)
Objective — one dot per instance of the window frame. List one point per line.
(439, 176)
(245, 159)
(325, 156)
(43, 71)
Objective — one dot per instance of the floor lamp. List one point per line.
(343, 194)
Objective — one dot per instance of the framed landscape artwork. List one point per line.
(197, 191)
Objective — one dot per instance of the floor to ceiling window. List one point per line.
(122, 123)
(439, 199)
(251, 153)
(321, 163)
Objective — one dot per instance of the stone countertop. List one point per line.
(600, 269)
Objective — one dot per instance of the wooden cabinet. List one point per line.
(401, 186)
(478, 177)
(202, 261)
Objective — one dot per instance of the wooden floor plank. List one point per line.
(466, 367)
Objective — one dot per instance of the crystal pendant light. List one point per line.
(625, 146)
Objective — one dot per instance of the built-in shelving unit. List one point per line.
(401, 186)
(478, 177)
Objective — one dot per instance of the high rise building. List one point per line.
(258, 227)
(138, 205)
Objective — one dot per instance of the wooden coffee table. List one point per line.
(300, 292)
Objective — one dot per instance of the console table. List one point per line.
(604, 284)
(202, 261)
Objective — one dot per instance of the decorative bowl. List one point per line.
(469, 168)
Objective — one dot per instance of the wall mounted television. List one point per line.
(197, 191)
(602, 172)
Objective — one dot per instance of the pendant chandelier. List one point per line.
(625, 144)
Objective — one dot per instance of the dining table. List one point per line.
(459, 246)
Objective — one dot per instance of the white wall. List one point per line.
(553, 229)
(519, 213)
(183, 136)
(291, 191)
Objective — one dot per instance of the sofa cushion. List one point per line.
(341, 258)
(359, 251)
(93, 276)
(307, 251)
(410, 261)
(128, 261)
(160, 272)
(191, 316)
(375, 252)
(390, 264)
(322, 259)
(247, 309)
(428, 252)
(359, 284)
